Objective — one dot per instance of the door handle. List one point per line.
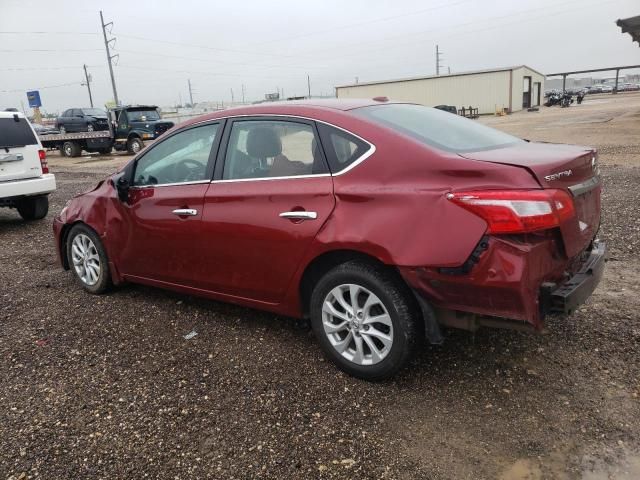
(185, 212)
(300, 215)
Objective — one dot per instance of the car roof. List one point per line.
(293, 107)
(4, 114)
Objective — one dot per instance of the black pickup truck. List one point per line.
(129, 127)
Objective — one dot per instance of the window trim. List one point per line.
(210, 162)
(229, 120)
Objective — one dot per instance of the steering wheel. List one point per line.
(188, 170)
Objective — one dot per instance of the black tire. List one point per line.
(396, 298)
(105, 151)
(33, 208)
(70, 149)
(103, 282)
(134, 145)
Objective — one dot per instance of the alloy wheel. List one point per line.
(86, 260)
(89, 128)
(357, 324)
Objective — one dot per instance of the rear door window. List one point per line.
(16, 133)
(342, 148)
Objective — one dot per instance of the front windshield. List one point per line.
(142, 115)
(94, 112)
(439, 129)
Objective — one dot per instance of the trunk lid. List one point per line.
(567, 167)
(19, 145)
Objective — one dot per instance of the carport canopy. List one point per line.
(631, 26)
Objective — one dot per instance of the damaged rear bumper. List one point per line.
(564, 299)
(514, 281)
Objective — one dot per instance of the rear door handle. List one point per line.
(300, 215)
(185, 212)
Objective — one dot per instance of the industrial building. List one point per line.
(507, 89)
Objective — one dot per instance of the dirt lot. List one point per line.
(108, 387)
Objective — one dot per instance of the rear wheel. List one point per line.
(88, 259)
(62, 130)
(134, 145)
(70, 149)
(365, 320)
(33, 208)
(105, 151)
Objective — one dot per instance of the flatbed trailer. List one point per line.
(129, 127)
(72, 144)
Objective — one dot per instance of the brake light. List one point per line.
(517, 211)
(43, 161)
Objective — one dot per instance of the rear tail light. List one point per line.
(43, 161)
(517, 211)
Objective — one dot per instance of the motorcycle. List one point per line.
(566, 100)
(553, 98)
(580, 96)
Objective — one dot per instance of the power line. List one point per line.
(206, 47)
(22, 69)
(49, 50)
(208, 60)
(366, 22)
(42, 88)
(454, 29)
(42, 32)
(216, 74)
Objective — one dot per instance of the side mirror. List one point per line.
(121, 184)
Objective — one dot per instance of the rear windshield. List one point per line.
(16, 134)
(437, 128)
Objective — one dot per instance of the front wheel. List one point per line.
(365, 320)
(90, 127)
(33, 208)
(88, 259)
(134, 145)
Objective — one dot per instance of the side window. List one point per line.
(342, 148)
(181, 158)
(76, 112)
(268, 148)
(67, 113)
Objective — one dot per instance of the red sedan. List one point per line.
(381, 222)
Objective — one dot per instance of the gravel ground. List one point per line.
(108, 387)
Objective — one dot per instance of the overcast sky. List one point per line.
(269, 44)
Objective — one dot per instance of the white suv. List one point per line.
(25, 181)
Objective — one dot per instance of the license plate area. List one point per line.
(11, 157)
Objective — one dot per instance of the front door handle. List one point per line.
(185, 212)
(300, 215)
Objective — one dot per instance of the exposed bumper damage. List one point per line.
(512, 279)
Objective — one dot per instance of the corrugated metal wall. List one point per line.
(486, 91)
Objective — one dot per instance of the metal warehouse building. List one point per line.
(509, 89)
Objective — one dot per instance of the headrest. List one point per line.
(263, 142)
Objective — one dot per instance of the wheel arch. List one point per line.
(328, 260)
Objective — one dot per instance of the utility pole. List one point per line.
(243, 93)
(438, 54)
(309, 86)
(87, 78)
(232, 96)
(109, 56)
(190, 92)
